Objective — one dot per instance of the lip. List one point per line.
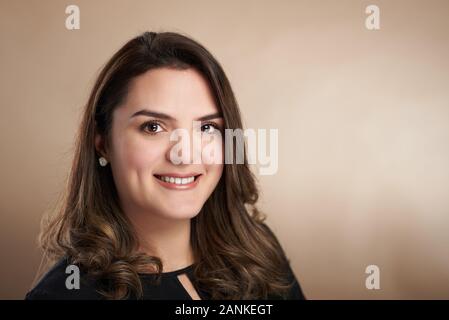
(179, 175)
(173, 186)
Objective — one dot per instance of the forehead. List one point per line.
(179, 93)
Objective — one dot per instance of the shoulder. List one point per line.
(272, 235)
(295, 292)
(267, 229)
(60, 283)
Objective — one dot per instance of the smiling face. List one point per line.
(159, 102)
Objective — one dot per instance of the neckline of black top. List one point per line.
(173, 273)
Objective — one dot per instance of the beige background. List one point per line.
(363, 119)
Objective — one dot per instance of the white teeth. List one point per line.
(179, 181)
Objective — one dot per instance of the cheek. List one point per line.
(213, 150)
(139, 154)
(214, 171)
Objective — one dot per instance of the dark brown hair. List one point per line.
(236, 255)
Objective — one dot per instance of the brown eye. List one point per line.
(151, 127)
(209, 127)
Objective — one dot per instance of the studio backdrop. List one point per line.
(358, 91)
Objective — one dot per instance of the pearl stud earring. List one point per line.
(103, 161)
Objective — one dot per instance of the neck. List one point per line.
(168, 239)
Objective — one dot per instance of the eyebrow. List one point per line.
(160, 115)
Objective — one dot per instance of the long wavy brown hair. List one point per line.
(236, 255)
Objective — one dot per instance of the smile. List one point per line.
(177, 181)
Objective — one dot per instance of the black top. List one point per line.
(168, 287)
(53, 286)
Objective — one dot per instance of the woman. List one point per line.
(138, 226)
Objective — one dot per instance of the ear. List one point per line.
(100, 144)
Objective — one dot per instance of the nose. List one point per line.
(185, 146)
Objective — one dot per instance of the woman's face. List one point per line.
(140, 155)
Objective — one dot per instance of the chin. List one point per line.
(181, 212)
